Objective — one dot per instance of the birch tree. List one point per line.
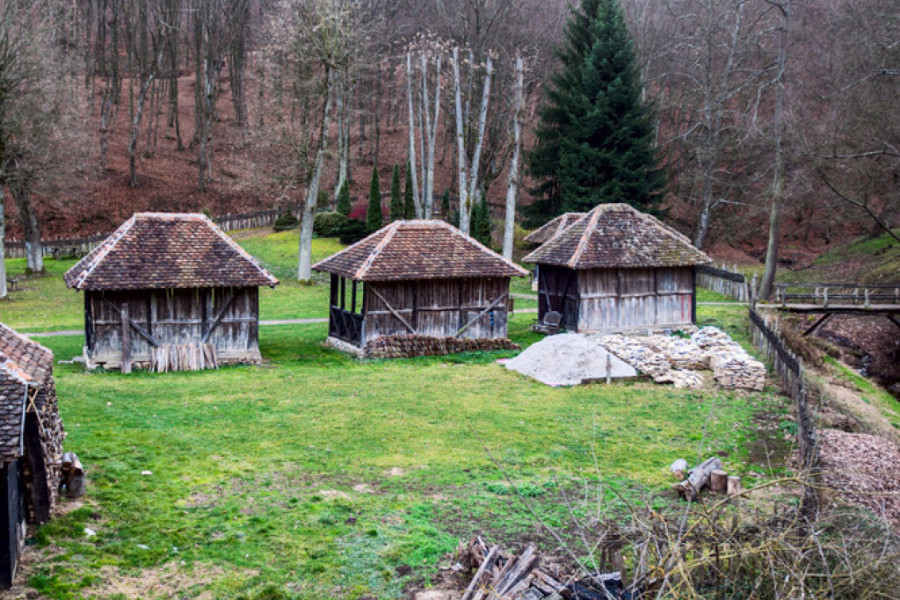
(468, 158)
(512, 185)
(424, 117)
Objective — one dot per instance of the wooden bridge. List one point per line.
(829, 299)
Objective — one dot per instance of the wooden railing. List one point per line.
(345, 325)
(724, 281)
(829, 294)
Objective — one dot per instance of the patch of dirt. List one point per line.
(170, 580)
(871, 344)
(771, 444)
(863, 470)
(868, 418)
(334, 495)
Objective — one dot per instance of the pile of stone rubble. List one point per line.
(676, 360)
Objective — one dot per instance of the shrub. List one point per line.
(343, 204)
(328, 224)
(352, 231)
(285, 221)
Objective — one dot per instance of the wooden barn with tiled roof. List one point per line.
(171, 291)
(552, 228)
(31, 437)
(423, 278)
(618, 269)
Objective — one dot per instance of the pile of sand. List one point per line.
(568, 359)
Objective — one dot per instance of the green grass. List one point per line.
(865, 260)
(246, 462)
(42, 303)
(316, 475)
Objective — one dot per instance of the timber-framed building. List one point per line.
(618, 269)
(173, 281)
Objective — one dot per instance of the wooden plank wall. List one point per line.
(175, 316)
(436, 308)
(623, 299)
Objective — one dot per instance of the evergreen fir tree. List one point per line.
(343, 204)
(397, 208)
(481, 223)
(595, 136)
(445, 204)
(409, 206)
(374, 216)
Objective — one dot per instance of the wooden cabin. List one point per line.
(422, 278)
(617, 269)
(31, 437)
(170, 291)
(542, 234)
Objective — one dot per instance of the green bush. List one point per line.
(352, 231)
(285, 221)
(328, 224)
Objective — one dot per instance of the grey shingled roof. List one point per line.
(23, 362)
(415, 250)
(167, 250)
(552, 228)
(618, 236)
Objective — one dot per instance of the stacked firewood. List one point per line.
(183, 357)
(406, 346)
(708, 474)
(500, 575)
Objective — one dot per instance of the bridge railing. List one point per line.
(844, 294)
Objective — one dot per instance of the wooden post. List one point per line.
(126, 339)
(608, 368)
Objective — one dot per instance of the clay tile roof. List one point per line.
(410, 250)
(22, 362)
(618, 236)
(167, 250)
(25, 356)
(548, 230)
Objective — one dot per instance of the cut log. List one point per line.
(73, 479)
(679, 469)
(476, 585)
(718, 481)
(734, 486)
(699, 477)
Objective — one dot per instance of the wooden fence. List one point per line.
(790, 373)
(727, 282)
(76, 247)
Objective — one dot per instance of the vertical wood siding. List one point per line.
(436, 308)
(175, 316)
(617, 299)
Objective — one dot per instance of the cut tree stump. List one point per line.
(734, 486)
(718, 481)
(699, 477)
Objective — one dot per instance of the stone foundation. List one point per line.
(407, 346)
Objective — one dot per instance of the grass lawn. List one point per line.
(317, 476)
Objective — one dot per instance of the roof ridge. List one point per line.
(392, 229)
(228, 240)
(115, 238)
(13, 369)
(469, 238)
(585, 236)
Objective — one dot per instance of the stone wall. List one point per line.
(406, 346)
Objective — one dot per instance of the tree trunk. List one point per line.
(431, 124)
(482, 123)
(462, 166)
(512, 187)
(3, 291)
(136, 123)
(34, 255)
(768, 281)
(343, 141)
(412, 137)
(304, 257)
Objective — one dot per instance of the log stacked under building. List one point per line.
(407, 346)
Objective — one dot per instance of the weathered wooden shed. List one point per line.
(31, 437)
(422, 278)
(543, 233)
(170, 291)
(618, 269)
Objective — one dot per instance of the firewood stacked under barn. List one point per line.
(402, 346)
